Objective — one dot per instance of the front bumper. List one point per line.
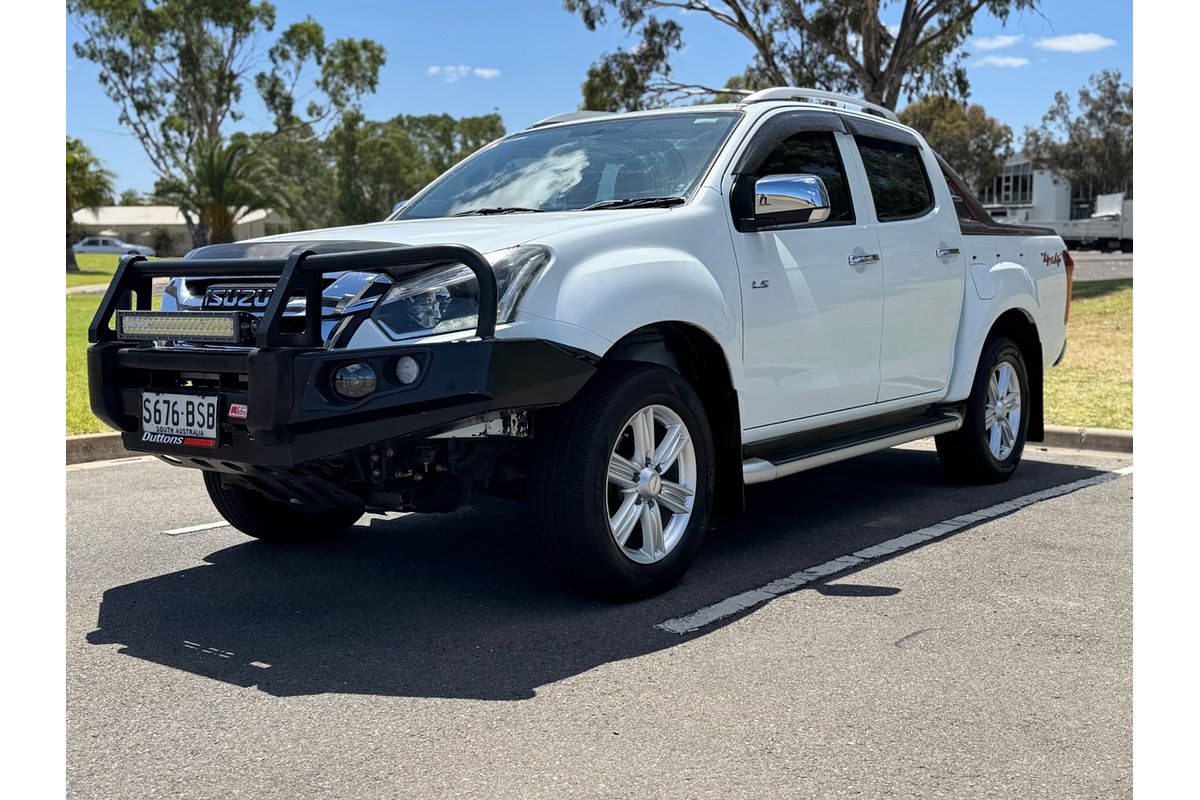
(294, 417)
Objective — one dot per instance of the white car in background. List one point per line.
(111, 244)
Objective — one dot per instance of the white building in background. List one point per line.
(135, 224)
(1023, 194)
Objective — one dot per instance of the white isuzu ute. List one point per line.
(608, 322)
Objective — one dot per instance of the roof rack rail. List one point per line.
(569, 116)
(819, 97)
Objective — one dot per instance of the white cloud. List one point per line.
(1004, 62)
(1076, 43)
(995, 42)
(452, 73)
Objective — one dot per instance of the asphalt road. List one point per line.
(1091, 265)
(430, 656)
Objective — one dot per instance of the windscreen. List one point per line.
(573, 167)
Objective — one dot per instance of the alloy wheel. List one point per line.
(651, 486)
(1002, 412)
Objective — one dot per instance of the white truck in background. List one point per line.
(1110, 227)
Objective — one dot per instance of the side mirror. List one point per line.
(790, 200)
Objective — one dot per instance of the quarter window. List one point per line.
(897, 177)
(813, 153)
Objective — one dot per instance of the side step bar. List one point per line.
(760, 470)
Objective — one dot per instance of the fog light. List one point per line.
(354, 381)
(407, 370)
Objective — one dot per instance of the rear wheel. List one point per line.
(623, 488)
(987, 448)
(270, 520)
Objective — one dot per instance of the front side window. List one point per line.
(897, 178)
(813, 153)
(575, 166)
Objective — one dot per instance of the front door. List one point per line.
(812, 318)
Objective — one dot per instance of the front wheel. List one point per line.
(270, 520)
(623, 487)
(987, 448)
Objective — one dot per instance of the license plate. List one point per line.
(179, 419)
(238, 298)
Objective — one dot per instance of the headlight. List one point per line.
(447, 299)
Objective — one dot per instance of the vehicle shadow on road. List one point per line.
(457, 606)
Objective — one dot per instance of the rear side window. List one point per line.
(896, 173)
(813, 153)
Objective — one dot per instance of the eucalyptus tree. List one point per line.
(178, 70)
(839, 45)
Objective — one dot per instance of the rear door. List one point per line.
(923, 267)
(811, 317)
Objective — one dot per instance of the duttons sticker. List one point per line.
(177, 441)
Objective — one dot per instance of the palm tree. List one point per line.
(88, 185)
(222, 184)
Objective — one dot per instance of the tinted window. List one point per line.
(813, 153)
(897, 177)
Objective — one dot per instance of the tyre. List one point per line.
(624, 481)
(987, 448)
(270, 520)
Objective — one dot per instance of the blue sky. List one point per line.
(527, 60)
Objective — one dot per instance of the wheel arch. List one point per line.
(697, 356)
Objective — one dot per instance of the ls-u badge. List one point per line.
(762, 284)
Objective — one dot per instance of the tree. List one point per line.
(972, 142)
(1092, 147)
(379, 163)
(177, 69)
(442, 141)
(131, 197)
(838, 45)
(303, 187)
(222, 184)
(88, 185)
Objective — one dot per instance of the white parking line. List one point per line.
(112, 462)
(363, 522)
(746, 600)
(208, 526)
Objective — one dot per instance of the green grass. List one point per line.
(1093, 386)
(93, 268)
(80, 310)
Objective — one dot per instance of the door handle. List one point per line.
(946, 252)
(872, 258)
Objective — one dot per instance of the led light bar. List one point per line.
(228, 327)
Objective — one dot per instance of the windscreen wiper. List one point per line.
(636, 202)
(482, 212)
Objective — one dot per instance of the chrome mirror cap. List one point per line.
(791, 200)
